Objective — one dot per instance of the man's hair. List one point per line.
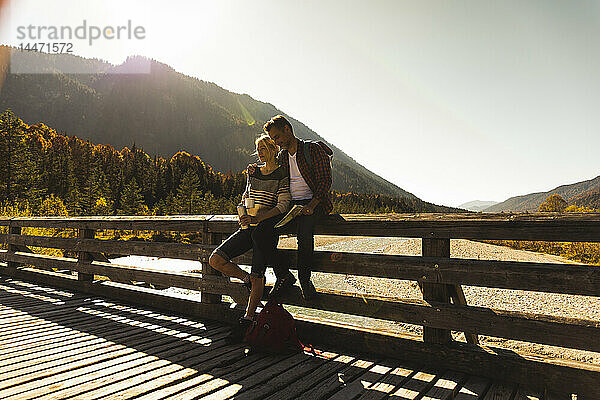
(279, 122)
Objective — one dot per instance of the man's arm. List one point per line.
(322, 175)
(310, 207)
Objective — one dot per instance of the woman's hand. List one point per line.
(246, 220)
(251, 168)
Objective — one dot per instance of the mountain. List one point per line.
(49, 173)
(477, 205)
(578, 193)
(162, 112)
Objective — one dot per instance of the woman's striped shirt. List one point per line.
(268, 191)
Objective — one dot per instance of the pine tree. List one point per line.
(13, 154)
(189, 193)
(73, 202)
(36, 177)
(95, 188)
(132, 202)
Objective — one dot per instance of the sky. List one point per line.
(452, 101)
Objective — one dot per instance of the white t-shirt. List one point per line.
(298, 186)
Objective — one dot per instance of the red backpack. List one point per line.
(274, 331)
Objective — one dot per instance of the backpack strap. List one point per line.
(306, 146)
(306, 152)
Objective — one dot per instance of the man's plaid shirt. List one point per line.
(317, 175)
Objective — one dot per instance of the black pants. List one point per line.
(304, 228)
(262, 239)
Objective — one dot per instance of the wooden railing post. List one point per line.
(84, 256)
(207, 270)
(13, 230)
(436, 291)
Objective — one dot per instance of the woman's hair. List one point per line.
(269, 145)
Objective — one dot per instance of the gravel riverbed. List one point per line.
(583, 307)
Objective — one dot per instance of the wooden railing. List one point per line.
(441, 310)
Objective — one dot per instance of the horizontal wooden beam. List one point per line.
(480, 230)
(195, 252)
(529, 327)
(567, 227)
(124, 273)
(133, 295)
(546, 277)
(182, 223)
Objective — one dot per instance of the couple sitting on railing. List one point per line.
(300, 174)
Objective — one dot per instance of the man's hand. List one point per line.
(251, 168)
(307, 210)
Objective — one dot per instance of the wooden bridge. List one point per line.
(79, 326)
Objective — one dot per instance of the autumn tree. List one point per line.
(102, 206)
(578, 209)
(554, 203)
(53, 206)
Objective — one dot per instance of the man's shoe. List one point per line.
(308, 290)
(248, 286)
(282, 285)
(239, 331)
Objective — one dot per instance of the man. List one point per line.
(310, 181)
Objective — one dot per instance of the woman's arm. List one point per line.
(284, 198)
(247, 189)
(265, 215)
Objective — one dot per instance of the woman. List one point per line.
(269, 187)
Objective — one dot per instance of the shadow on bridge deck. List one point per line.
(56, 344)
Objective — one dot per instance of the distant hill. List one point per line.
(162, 112)
(580, 193)
(589, 199)
(477, 205)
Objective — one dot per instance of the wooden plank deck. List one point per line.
(56, 344)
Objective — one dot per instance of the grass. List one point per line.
(583, 252)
